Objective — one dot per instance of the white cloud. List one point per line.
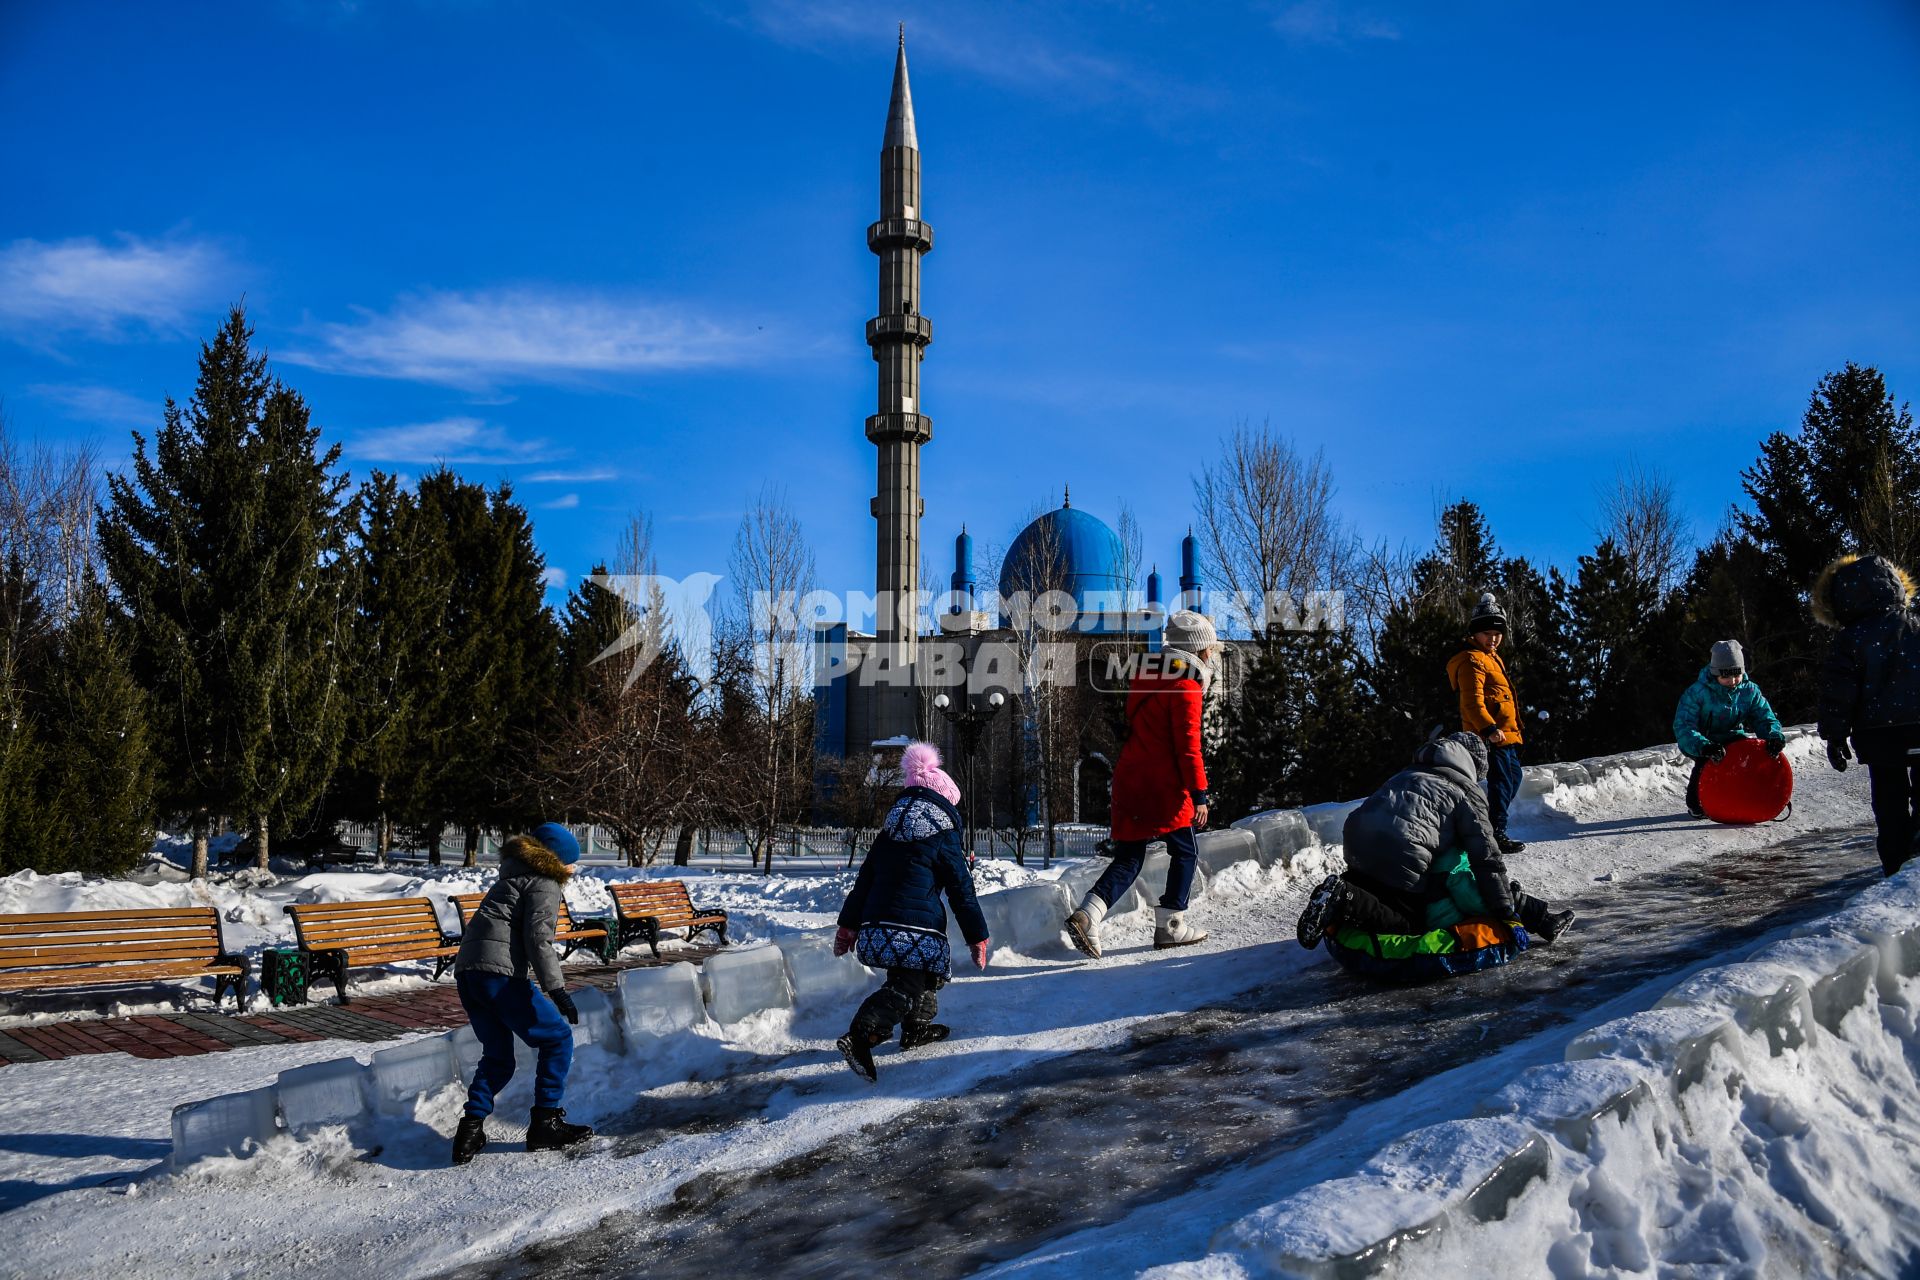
(109, 291)
(1326, 22)
(565, 502)
(572, 477)
(450, 440)
(555, 579)
(85, 403)
(524, 335)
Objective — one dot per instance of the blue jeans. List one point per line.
(1503, 783)
(501, 1008)
(1125, 869)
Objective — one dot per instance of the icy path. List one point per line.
(1079, 1140)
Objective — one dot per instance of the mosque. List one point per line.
(965, 677)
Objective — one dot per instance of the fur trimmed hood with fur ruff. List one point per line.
(1854, 587)
(536, 857)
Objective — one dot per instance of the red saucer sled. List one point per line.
(1748, 786)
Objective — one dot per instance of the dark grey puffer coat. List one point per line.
(512, 932)
(1871, 679)
(1424, 811)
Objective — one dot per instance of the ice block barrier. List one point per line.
(1221, 849)
(409, 1071)
(661, 1000)
(1031, 918)
(1329, 821)
(1469, 1170)
(322, 1093)
(1279, 834)
(741, 983)
(1572, 1099)
(1675, 1041)
(818, 975)
(599, 1024)
(233, 1124)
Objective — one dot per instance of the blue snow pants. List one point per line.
(1128, 855)
(1503, 783)
(500, 1008)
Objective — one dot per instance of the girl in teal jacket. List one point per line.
(1719, 707)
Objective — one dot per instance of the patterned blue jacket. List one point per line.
(916, 859)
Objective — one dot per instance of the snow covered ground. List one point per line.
(1800, 1163)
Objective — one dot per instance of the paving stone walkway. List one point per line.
(365, 1018)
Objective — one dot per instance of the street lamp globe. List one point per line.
(940, 700)
(996, 698)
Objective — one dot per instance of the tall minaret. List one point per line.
(898, 336)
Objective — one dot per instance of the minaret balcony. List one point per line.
(900, 233)
(900, 328)
(899, 428)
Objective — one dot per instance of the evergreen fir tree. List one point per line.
(25, 638)
(218, 544)
(1625, 642)
(96, 786)
(405, 579)
(594, 621)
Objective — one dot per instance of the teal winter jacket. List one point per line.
(1711, 715)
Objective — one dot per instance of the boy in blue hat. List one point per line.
(511, 985)
(1719, 707)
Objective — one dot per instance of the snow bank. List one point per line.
(1764, 1115)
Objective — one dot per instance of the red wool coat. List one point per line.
(1160, 766)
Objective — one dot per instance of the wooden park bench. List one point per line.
(571, 934)
(97, 948)
(340, 935)
(644, 908)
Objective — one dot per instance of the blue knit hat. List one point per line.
(559, 840)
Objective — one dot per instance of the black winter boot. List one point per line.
(915, 1034)
(1552, 925)
(470, 1139)
(857, 1048)
(550, 1131)
(1508, 845)
(1323, 912)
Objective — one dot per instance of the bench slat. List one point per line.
(312, 929)
(93, 975)
(20, 923)
(158, 937)
(359, 957)
(97, 955)
(368, 906)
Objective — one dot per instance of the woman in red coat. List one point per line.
(1159, 786)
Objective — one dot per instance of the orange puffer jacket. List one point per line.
(1486, 696)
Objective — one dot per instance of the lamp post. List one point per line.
(969, 722)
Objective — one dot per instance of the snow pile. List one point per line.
(1763, 1115)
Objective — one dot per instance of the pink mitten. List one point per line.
(843, 940)
(979, 950)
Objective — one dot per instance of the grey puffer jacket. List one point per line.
(1871, 679)
(512, 931)
(1421, 812)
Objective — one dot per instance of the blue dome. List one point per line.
(1091, 561)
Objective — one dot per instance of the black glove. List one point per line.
(1776, 743)
(1716, 753)
(564, 1003)
(1838, 754)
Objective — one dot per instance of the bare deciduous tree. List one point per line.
(1642, 516)
(772, 570)
(1267, 521)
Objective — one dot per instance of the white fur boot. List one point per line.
(1170, 929)
(1083, 926)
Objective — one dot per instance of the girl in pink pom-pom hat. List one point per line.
(894, 918)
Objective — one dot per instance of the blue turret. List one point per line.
(1189, 571)
(962, 580)
(1155, 621)
(1153, 587)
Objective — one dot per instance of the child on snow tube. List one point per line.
(1722, 706)
(1425, 883)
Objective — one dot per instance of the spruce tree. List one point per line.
(96, 785)
(1625, 643)
(25, 638)
(405, 576)
(224, 546)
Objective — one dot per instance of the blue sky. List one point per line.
(614, 252)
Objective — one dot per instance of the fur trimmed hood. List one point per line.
(1854, 588)
(536, 857)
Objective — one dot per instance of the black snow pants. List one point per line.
(1892, 757)
(1374, 908)
(908, 998)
